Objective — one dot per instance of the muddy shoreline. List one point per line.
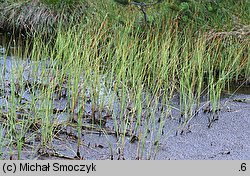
(227, 138)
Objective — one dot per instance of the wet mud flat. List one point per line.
(228, 138)
(225, 137)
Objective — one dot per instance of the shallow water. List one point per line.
(228, 138)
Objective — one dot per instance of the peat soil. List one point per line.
(224, 137)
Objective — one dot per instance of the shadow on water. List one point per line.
(103, 142)
(238, 88)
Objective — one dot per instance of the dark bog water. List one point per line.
(228, 138)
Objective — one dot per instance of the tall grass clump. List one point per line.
(41, 16)
(118, 68)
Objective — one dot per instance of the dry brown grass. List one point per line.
(33, 16)
(238, 32)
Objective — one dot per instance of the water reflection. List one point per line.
(6, 41)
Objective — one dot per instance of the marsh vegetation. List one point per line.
(97, 69)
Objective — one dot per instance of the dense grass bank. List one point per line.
(44, 16)
(115, 62)
(40, 16)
